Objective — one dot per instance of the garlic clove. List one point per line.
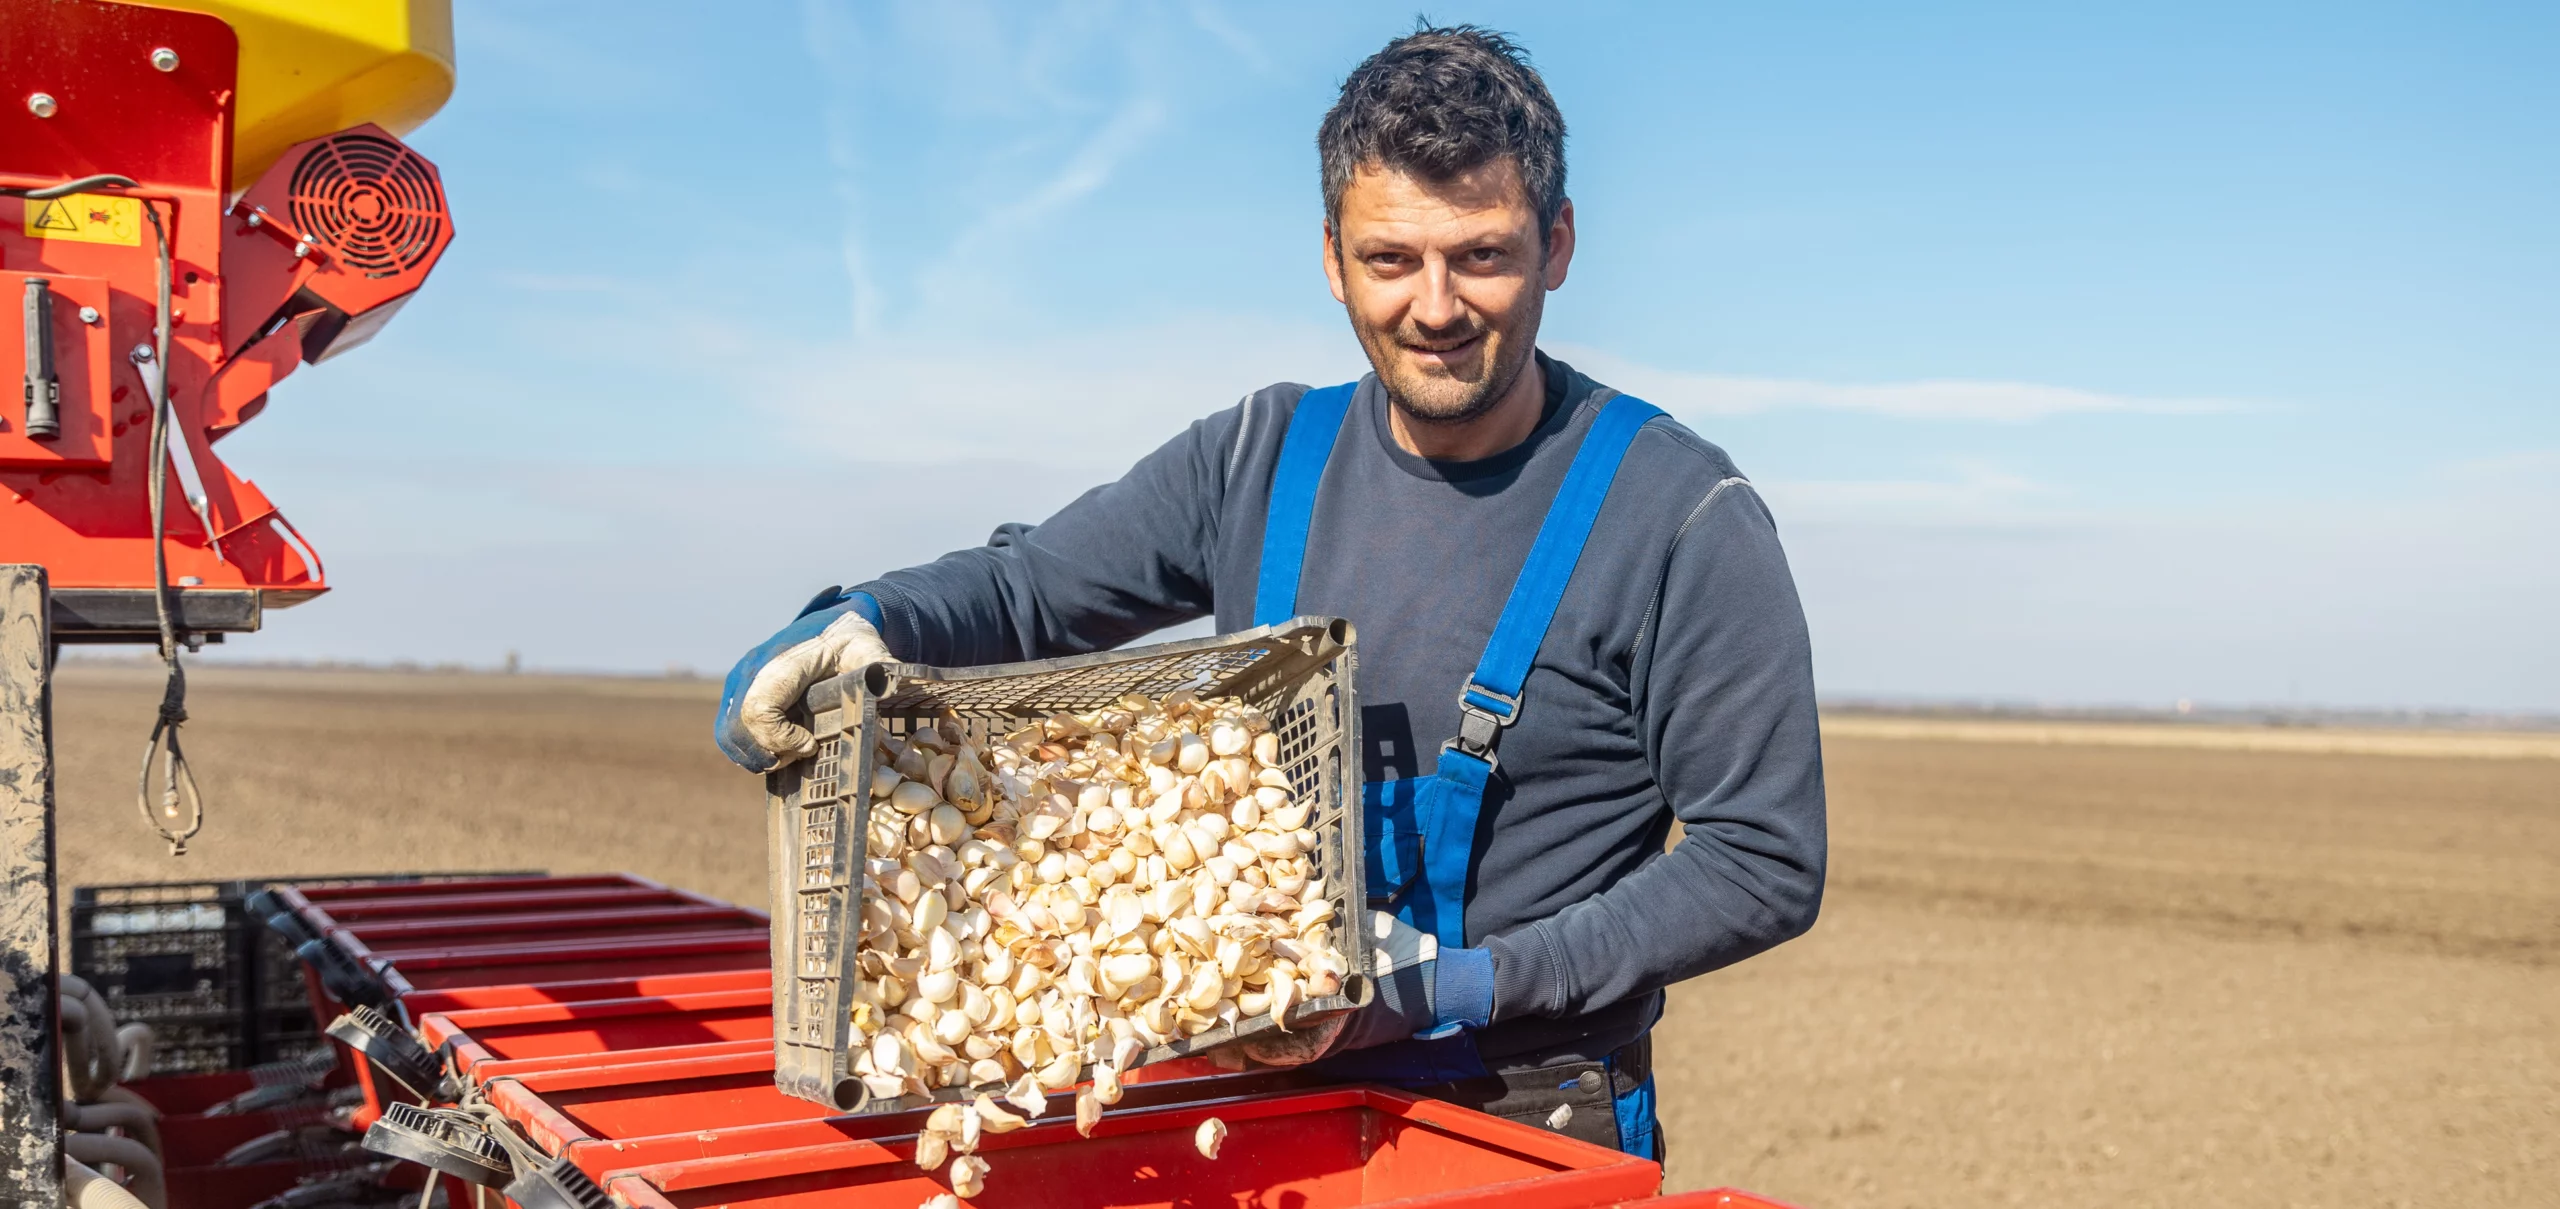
(1228, 738)
(1088, 1112)
(1106, 1086)
(1025, 1094)
(931, 1149)
(996, 1119)
(968, 1177)
(912, 797)
(1284, 995)
(1209, 1137)
(890, 1055)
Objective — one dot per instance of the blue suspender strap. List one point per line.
(1494, 691)
(1491, 700)
(1303, 453)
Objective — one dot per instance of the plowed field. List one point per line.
(2056, 967)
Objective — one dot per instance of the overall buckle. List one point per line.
(1479, 725)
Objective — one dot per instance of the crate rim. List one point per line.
(1332, 642)
(879, 679)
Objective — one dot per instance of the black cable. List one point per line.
(179, 797)
(178, 779)
(82, 185)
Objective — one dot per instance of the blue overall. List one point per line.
(1421, 831)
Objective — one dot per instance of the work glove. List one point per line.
(1423, 992)
(835, 634)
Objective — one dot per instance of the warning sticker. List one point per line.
(87, 218)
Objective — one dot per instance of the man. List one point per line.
(1576, 624)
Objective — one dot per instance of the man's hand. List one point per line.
(754, 728)
(1423, 991)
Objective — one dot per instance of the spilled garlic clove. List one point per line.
(931, 1149)
(968, 1175)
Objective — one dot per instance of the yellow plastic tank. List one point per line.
(315, 67)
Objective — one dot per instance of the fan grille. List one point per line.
(374, 203)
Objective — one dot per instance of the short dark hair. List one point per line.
(1442, 101)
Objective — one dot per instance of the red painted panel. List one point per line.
(602, 1027)
(644, 986)
(1304, 1150)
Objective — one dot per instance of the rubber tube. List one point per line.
(94, 1069)
(149, 1185)
(84, 1188)
(78, 1082)
(135, 1044)
(120, 1109)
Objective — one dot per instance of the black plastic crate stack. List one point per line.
(175, 956)
(219, 990)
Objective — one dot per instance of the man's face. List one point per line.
(1445, 282)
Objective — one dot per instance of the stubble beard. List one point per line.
(1427, 399)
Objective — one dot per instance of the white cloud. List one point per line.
(1979, 401)
(1092, 398)
(1976, 494)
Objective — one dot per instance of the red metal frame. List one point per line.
(607, 1112)
(487, 942)
(646, 986)
(494, 1069)
(77, 504)
(1345, 1146)
(1714, 1198)
(658, 1082)
(600, 1027)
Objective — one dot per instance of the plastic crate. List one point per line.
(219, 990)
(165, 951)
(196, 1044)
(1300, 674)
(287, 1033)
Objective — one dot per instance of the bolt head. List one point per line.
(41, 104)
(89, 315)
(301, 250)
(165, 59)
(141, 354)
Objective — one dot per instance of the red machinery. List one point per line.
(116, 138)
(193, 204)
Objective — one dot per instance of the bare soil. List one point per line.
(2049, 972)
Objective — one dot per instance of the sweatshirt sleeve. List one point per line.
(1124, 560)
(1726, 697)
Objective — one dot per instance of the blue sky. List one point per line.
(2183, 351)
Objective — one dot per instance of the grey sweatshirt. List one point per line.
(1675, 685)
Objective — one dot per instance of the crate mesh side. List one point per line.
(1069, 690)
(1305, 698)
